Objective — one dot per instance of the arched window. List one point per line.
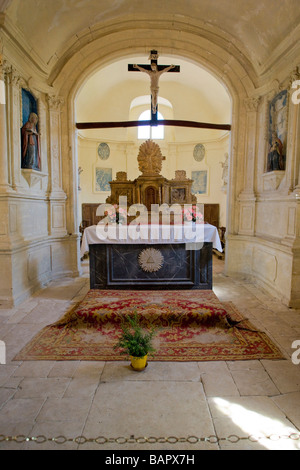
(151, 132)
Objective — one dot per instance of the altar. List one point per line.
(160, 257)
(168, 246)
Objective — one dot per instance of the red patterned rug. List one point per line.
(191, 326)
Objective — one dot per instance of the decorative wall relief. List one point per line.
(277, 132)
(103, 151)
(30, 141)
(103, 176)
(199, 152)
(200, 184)
(225, 172)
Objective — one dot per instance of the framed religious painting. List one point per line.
(200, 182)
(178, 195)
(103, 176)
(277, 132)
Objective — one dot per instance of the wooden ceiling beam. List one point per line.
(163, 122)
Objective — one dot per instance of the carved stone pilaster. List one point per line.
(252, 105)
(14, 83)
(57, 197)
(1, 67)
(54, 106)
(247, 198)
(293, 139)
(3, 130)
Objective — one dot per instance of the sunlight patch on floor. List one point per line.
(268, 431)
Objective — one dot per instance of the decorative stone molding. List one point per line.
(272, 180)
(33, 177)
(252, 103)
(55, 102)
(5, 68)
(247, 216)
(13, 75)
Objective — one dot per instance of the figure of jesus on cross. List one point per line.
(154, 75)
(154, 71)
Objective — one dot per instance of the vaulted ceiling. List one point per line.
(51, 32)
(257, 27)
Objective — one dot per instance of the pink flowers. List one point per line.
(192, 214)
(116, 214)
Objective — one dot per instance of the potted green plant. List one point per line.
(135, 342)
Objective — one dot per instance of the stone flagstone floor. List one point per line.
(91, 399)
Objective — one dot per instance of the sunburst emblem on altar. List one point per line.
(151, 260)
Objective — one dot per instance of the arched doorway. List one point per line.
(113, 94)
(70, 78)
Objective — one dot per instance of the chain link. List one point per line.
(102, 440)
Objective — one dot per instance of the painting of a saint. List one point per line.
(277, 138)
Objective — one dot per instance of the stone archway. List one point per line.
(194, 43)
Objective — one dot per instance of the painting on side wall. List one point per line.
(200, 184)
(102, 178)
(277, 132)
(30, 141)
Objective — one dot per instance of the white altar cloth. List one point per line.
(148, 234)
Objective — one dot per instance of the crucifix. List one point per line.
(154, 71)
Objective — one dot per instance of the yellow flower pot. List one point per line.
(138, 363)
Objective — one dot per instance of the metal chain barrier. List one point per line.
(102, 440)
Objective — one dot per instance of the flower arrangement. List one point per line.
(116, 214)
(192, 214)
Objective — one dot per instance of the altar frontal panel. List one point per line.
(159, 266)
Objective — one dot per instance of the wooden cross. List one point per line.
(154, 71)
